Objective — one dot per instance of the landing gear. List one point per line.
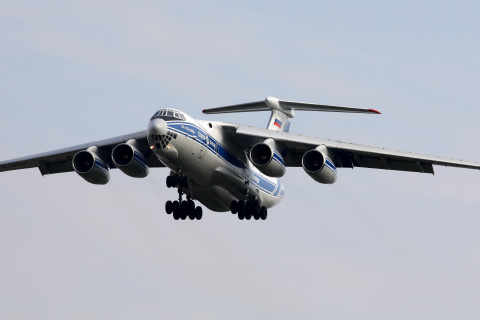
(247, 209)
(181, 209)
(177, 181)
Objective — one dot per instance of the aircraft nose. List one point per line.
(157, 127)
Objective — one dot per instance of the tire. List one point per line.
(183, 210)
(234, 207)
(263, 213)
(256, 206)
(176, 210)
(176, 213)
(198, 213)
(191, 206)
(191, 210)
(241, 207)
(169, 181)
(249, 210)
(169, 207)
(256, 210)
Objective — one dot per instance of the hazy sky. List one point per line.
(375, 245)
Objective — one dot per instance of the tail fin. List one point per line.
(282, 111)
(280, 118)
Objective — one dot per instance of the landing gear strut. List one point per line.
(182, 209)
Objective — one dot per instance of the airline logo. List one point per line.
(277, 123)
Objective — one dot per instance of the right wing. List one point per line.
(59, 161)
(346, 155)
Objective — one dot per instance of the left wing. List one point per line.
(345, 155)
(59, 161)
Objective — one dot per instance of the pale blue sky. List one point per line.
(375, 245)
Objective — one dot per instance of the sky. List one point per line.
(374, 245)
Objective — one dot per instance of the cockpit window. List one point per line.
(168, 115)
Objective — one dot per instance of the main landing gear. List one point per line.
(182, 209)
(247, 209)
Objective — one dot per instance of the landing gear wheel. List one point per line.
(191, 209)
(248, 210)
(191, 206)
(256, 210)
(169, 182)
(176, 210)
(169, 207)
(241, 207)
(198, 213)
(183, 210)
(234, 207)
(263, 213)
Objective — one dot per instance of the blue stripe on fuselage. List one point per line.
(201, 136)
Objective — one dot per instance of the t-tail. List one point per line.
(282, 111)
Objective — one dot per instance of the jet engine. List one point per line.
(267, 160)
(129, 160)
(319, 166)
(91, 167)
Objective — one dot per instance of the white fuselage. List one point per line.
(217, 171)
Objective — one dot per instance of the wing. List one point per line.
(346, 155)
(59, 161)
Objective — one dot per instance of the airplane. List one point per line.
(225, 166)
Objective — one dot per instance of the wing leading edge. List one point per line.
(59, 161)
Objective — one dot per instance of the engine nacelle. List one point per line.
(319, 166)
(267, 160)
(129, 160)
(91, 167)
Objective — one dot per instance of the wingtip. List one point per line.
(375, 111)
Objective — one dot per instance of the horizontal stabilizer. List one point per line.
(285, 106)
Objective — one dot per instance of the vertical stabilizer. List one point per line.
(280, 118)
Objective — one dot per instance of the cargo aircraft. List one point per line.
(224, 166)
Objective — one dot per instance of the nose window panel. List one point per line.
(162, 141)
